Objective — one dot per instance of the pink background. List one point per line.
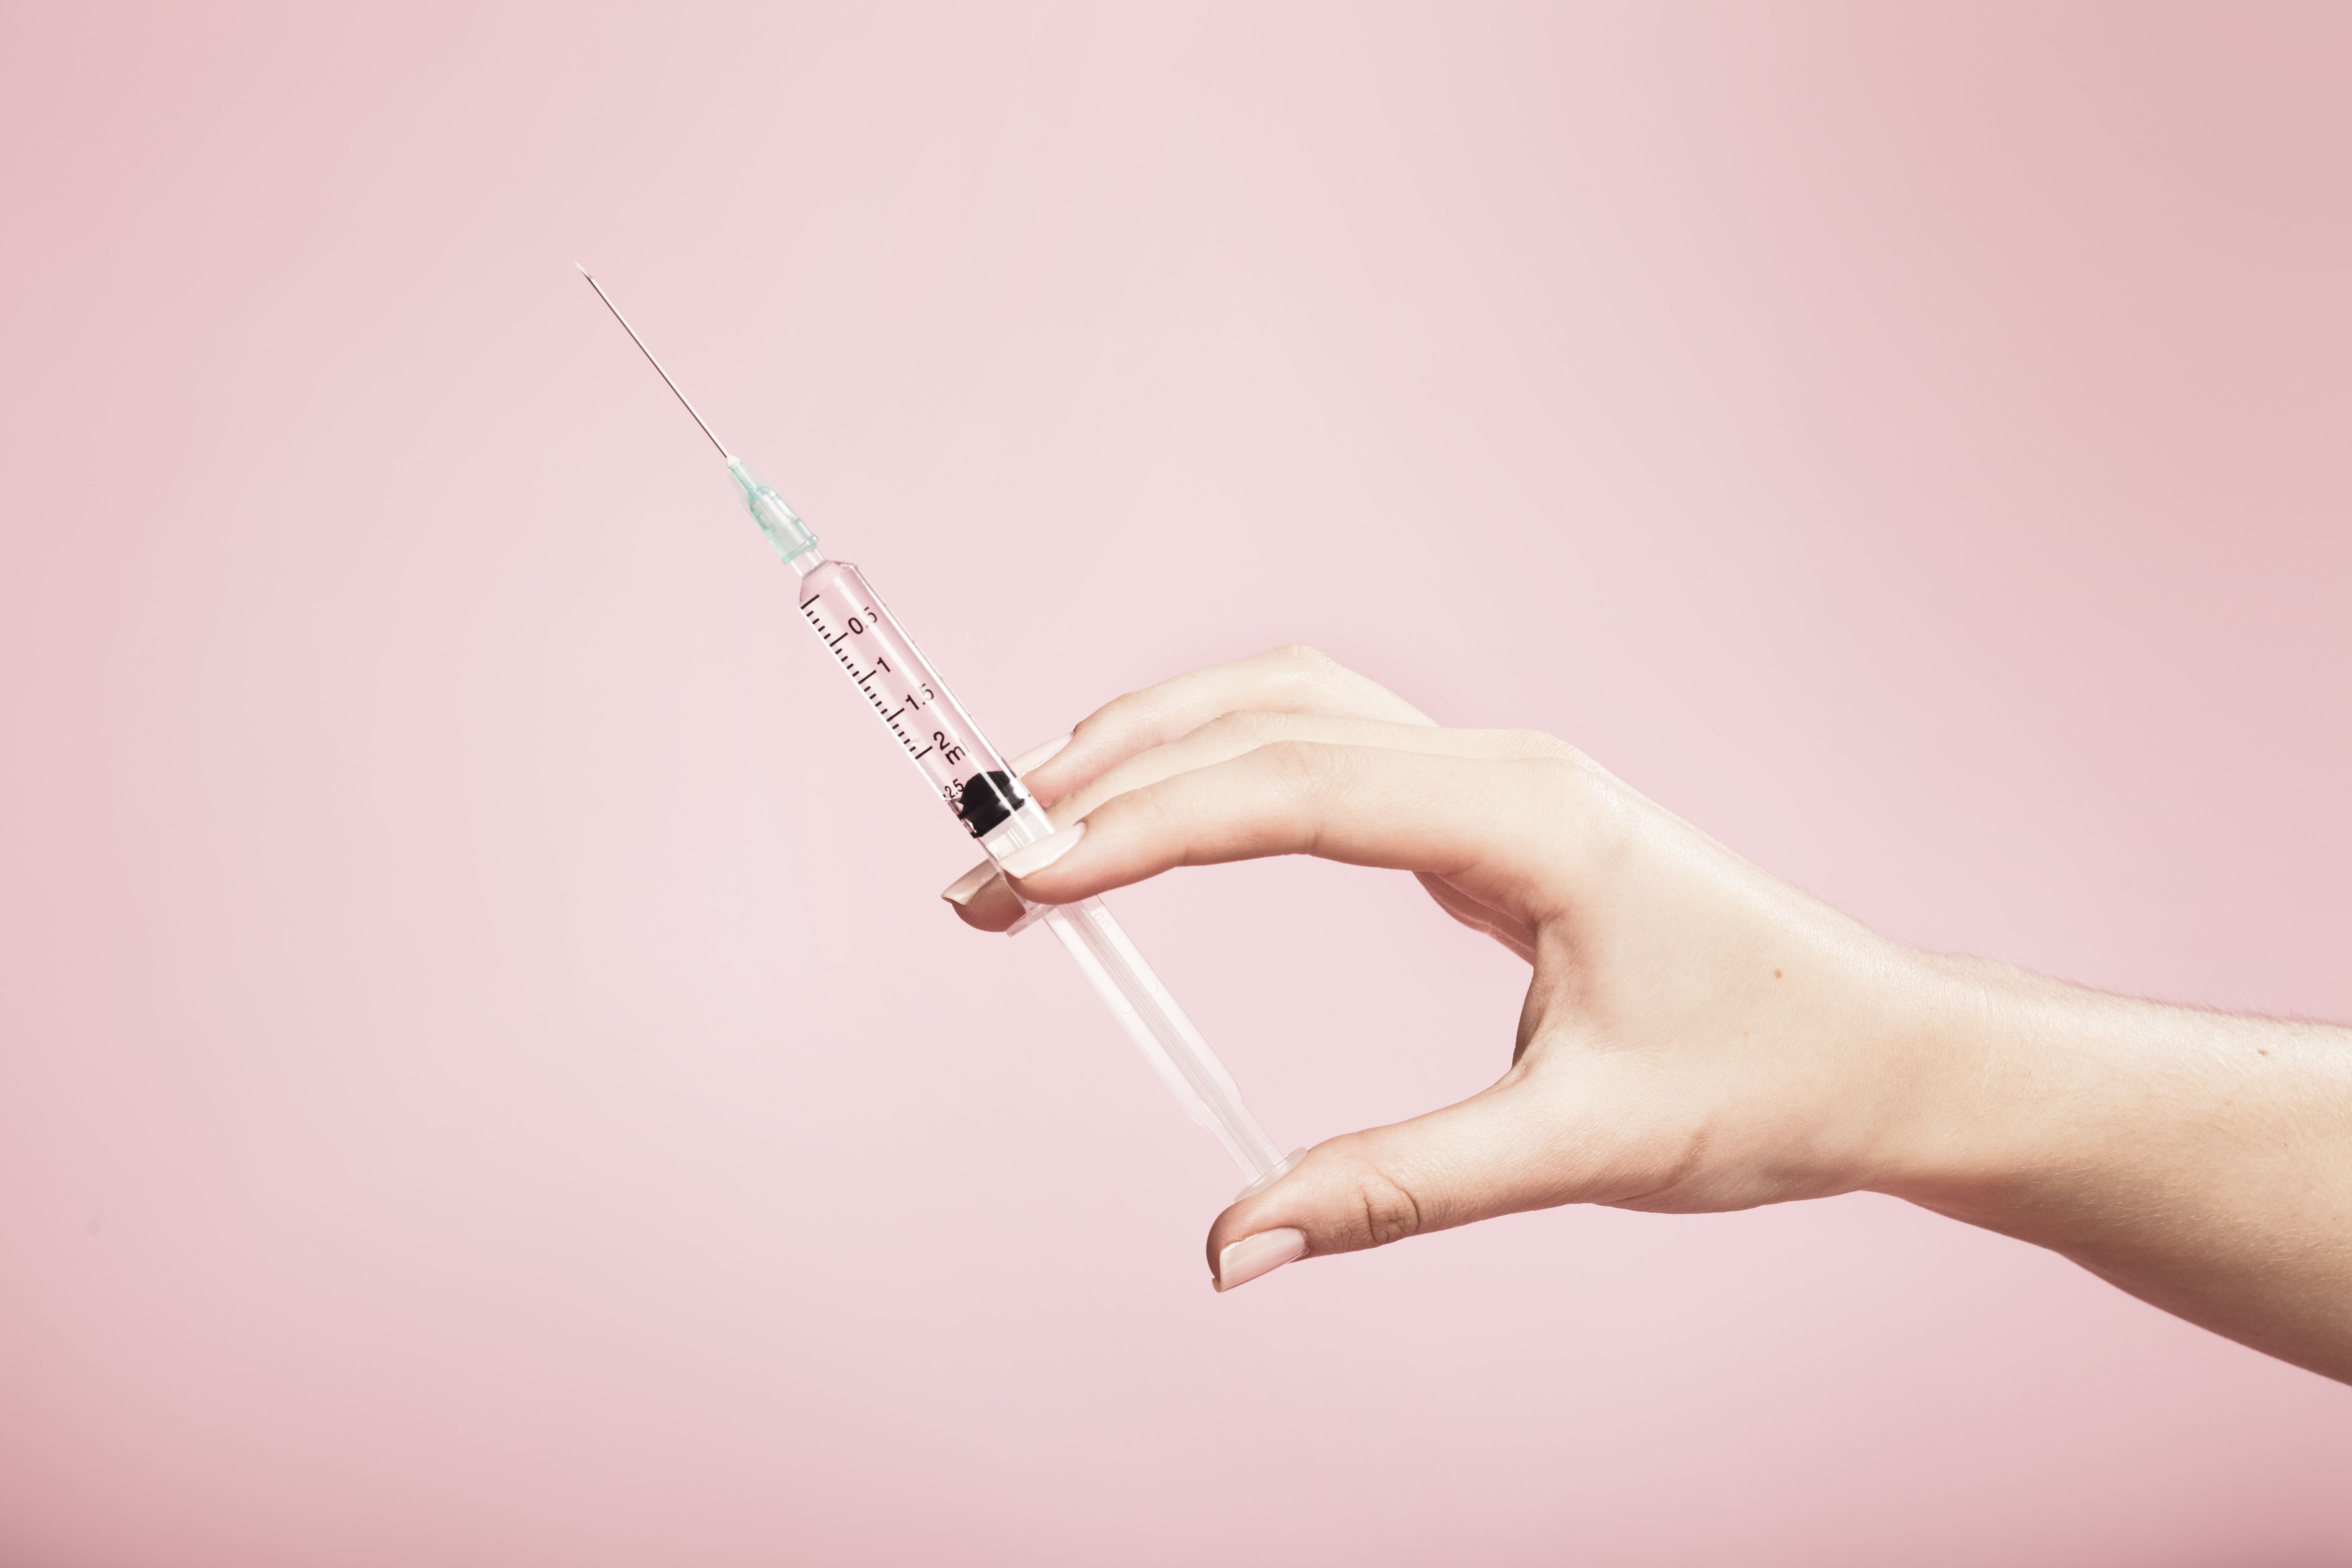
(484, 1079)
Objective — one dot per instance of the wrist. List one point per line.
(1988, 1061)
(2031, 1095)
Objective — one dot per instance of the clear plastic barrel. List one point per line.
(907, 695)
(974, 781)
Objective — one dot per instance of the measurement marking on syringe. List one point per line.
(866, 682)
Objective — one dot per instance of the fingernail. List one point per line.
(1245, 1260)
(1031, 859)
(960, 891)
(1037, 756)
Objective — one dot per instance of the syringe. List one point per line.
(936, 733)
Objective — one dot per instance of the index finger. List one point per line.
(1494, 826)
(1294, 680)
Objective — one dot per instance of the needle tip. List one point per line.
(584, 267)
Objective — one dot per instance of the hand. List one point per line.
(1697, 1035)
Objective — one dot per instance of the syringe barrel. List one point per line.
(907, 695)
(977, 783)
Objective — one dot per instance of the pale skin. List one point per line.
(1700, 1035)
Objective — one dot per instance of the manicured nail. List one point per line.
(1245, 1260)
(960, 891)
(1038, 756)
(1031, 859)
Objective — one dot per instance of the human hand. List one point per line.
(1697, 1035)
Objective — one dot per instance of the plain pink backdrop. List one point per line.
(484, 1077)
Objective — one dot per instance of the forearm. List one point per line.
(2201, 1162)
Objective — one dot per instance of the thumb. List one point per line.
(1495, 1152)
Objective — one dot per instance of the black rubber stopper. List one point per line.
(988, 800)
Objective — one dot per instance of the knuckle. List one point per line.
(1574, 810)
(1360, 1199)
(1243, 729)
(1152, 824)
(1536, 745)
(1303, 767)
(1119, 710)
(1561, 783)
(1151, 810)
(1305, 664)
(1385, 1207)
